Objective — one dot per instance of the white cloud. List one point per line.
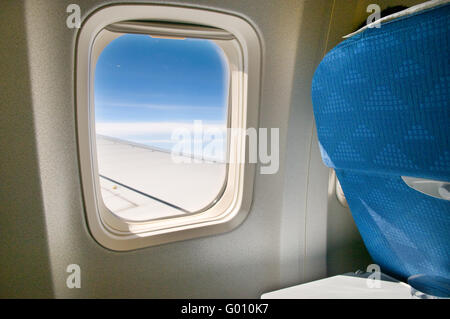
(151, 128)
(158, 106)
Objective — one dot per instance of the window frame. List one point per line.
(229, 211)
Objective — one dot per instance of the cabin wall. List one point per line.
(241, 263)
(24, 255)
(285, 240)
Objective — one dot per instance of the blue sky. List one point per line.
(141, 82)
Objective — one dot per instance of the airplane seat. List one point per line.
(381, 105)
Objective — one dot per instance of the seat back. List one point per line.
(381, 105)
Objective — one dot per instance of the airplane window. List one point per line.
(161, 114)
(164, 98)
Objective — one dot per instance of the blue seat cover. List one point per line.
(381, 105)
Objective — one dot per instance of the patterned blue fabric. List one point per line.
(381, 104)
(405, 231)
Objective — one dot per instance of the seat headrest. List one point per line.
(381, 98)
